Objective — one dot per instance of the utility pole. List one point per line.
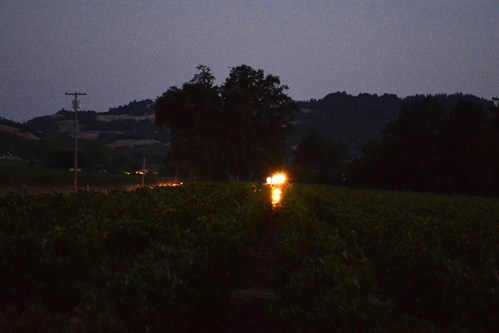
(75, 107)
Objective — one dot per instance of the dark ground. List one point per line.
(248, 310)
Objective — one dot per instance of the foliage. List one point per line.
(133, 108)
(356, 120)
(15, 138)
(338, 117)
(366, 261)
(431, 149)
(347, 119)
(318, 160)
(146, 260)
(193, 117)
(166, 259)
(128, 122)
(92, 157)
(236, 130)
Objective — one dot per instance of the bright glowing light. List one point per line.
(276, 195)
(276, 182)
(276, 179)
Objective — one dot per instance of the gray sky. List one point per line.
(118, 51)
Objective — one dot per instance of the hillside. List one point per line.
(355, 120)
(15, 138)
(130, 130)
(127, 129)
(352, 120)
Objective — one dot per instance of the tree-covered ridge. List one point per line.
(135, 108)
(240, 129)
(133, 118)
(114, 141)
(442, 143)
(15, 138)
(432, 147)
(355, 120)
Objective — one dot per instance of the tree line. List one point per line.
(238, 130)
(431, 148)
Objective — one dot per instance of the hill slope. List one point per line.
(355, 120)
(130, 129)
(127, 129)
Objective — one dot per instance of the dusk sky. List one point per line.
(119, 51)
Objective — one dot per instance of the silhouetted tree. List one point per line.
(45, 151)
(431, 149)
(236, 130)
(318, 160)
(414, 140)
(496, 113)
(94, 157)
(257, 119)
(193, 115)
(470, 152)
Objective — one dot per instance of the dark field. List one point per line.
(19, 176)
(218, 257)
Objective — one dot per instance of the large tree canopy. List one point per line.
(235, 130)
(430, 148)
(319, 160)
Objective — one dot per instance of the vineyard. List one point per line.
(168, 259)
(140, 261)
(372, 261)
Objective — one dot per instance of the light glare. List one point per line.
(276, 179)
(276, 195)
(276, 182)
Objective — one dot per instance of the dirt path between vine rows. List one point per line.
(249, 302)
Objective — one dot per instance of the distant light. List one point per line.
(276, 179)
(173, 183)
